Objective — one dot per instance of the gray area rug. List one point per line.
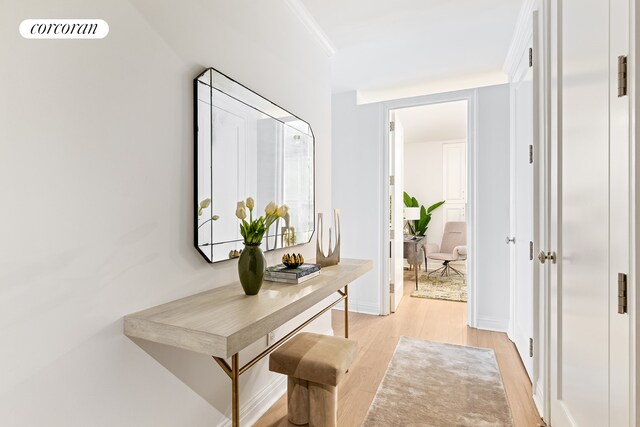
(450, 288)
(444, 385)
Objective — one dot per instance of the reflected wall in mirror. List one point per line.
(247, 146)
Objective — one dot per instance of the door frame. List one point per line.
(463, 95)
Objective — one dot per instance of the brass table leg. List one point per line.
(346, 311)
(235, 370)
(235, 392)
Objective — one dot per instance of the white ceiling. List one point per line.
(387, 45)
(436, 122)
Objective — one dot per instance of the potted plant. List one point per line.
(419, 227)
(252, 264)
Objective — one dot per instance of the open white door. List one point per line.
(396, 172)
(522, 218)
(589, 339)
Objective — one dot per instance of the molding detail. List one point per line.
(303, 14)
(521, 35)
(363, 308)
(538, 399)
(492, 324)
(253, 409)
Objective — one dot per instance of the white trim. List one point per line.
(469, 95)
(303, 14)
(258, 405)
(492, 324)
(634, 300)
(521, 36)
(538, 400)
(373, 309)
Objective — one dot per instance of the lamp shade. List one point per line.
(411, 214)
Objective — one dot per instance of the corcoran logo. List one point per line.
(64, 29)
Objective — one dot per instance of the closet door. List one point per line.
(590, 339)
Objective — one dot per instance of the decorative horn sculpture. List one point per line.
(333, 257)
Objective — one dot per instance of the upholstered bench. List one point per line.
(314, 364)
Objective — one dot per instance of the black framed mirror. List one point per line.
(247, 146)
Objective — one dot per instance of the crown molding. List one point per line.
(521, 36)
(303, 14)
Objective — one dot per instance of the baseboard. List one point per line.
(492, 324)
(373, 309)
(538, 399)
(257, 406)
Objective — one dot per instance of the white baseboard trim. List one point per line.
(538, 399)
(492, 324)
(256, 407)
(373, 309)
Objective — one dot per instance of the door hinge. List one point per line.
(622, 75)
(530, 347)
(392, 180)
(392, 126)
(530, 57)
(530, 154)
(622, 293)
(530, 251)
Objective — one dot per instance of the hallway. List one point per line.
(434, 320)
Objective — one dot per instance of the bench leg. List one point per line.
(297, 400)
(323, 405)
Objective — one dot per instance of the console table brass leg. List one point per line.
(346, 311)
(235, 392)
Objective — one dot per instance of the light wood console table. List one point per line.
(223, 321)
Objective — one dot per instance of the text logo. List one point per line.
(64, 29)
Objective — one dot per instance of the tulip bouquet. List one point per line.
(253, 230)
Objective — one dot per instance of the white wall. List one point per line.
(423, 179)
(96, 161)
(357, 151)
(357, 141)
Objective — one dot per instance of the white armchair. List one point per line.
(453, 247)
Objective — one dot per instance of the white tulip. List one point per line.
(271, 208)
(241, 213)
(282, 210)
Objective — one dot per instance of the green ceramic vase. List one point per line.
(251, 267)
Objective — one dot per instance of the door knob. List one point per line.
(510, 240)
(542, 257)
(551, 256)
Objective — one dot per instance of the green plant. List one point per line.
(253, 230)
(419, 227)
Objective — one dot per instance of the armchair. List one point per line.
(452, 248)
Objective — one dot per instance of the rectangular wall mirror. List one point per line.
(247, 146)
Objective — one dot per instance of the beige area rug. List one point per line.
(431, 384)
(450, 288)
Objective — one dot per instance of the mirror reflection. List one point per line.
(246, 146)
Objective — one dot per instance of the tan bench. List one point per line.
(314, 364)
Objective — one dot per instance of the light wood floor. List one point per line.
(434, 320)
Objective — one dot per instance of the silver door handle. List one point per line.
(551, 256)
(510, 240)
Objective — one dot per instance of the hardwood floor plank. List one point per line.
(442, 321)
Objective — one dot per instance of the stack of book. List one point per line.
(283, 274)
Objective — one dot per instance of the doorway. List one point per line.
(430, 161)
